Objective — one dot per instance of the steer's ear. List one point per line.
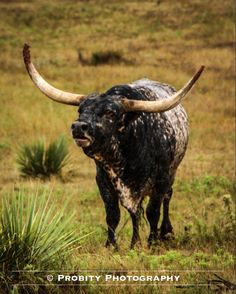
(129, 117)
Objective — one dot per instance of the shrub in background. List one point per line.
(38, 161)
(106, 57)
(33, 235)
(103, 57)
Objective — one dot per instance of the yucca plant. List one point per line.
(34, 234)
(38, 161)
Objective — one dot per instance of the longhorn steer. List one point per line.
(137, 134)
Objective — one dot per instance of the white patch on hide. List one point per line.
(125, 194)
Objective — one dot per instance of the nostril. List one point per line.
(84, 127)
(79, 127)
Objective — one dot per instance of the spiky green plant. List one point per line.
(38, 161)
(34, 232)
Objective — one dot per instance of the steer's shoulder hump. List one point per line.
(160, 89)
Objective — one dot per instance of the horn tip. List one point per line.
(26, 53)
(197, 75)
(202, 68)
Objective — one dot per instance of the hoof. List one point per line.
(152, 240)
(109, 243)
(135, 244)
(166, 231)
(152, 243)
(167, 237)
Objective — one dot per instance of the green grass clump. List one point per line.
(38, 161)
(202, 231)
(33, 235)
(205, 185)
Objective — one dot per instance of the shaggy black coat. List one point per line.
(136, 154)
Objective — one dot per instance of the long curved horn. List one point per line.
(161, 105)
(53, 93)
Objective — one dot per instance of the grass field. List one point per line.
(162, 40)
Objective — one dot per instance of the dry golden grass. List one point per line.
(165, 42)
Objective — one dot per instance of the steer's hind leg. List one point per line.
(135, 222)
(153, 215)
(166, 226)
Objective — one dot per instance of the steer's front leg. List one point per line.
(111, 203)
(112, 219)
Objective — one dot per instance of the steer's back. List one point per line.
(174, 121)
(153, 144)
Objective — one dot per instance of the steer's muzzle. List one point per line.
(80, 134)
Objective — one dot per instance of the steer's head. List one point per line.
(102, 116)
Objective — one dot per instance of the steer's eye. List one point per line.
(109, 114)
